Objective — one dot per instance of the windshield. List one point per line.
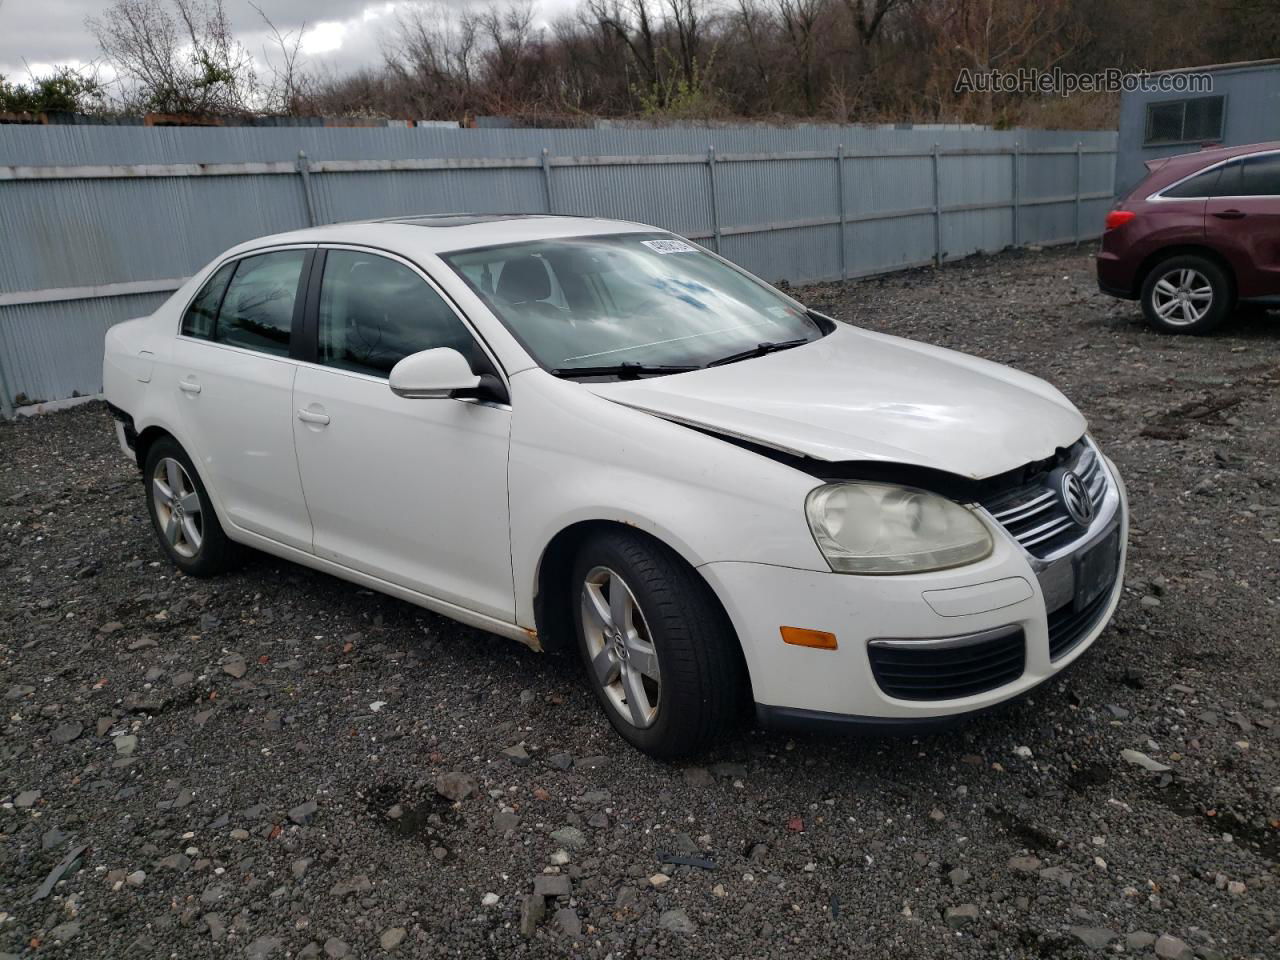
(632, 300)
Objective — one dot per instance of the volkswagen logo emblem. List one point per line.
(1075, 497)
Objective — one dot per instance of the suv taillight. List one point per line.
(1118, 218)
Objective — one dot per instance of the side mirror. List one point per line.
(432, 374)
(442, 373)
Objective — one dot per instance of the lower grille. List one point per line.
(1068, 627)
(947, 669)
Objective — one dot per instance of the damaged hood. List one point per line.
(857, 395)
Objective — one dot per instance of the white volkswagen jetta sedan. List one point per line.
(590, 433)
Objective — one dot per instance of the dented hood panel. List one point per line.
(857, 395)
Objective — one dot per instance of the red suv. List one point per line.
(1198, 235)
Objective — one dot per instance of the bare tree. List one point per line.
(176, 58)
(288, 79)
(434, 60)
(800, 26)
(685, 18)
(987, 35)
(633, 24)
(509, 38)
(868, 15)
(848, 60)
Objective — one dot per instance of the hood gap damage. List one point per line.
(952, 485)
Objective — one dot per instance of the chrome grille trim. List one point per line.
(1046, 532)
(1022, 511)
(1035, 516)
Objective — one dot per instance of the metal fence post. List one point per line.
(546, 180)
(1017, 195)
(304, 170)
(715, 203)
(844, 213)
(1079, 158)
(7, 399)
(937, 208)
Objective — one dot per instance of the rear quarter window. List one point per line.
(200, 316)
(1202, 185)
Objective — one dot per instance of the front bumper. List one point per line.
(836, 689)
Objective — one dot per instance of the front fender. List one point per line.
(577, 457)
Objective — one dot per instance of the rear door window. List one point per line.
(257, 311)
(249, 303)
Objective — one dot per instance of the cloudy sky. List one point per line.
(339, 34)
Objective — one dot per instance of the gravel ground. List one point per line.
(264, 765)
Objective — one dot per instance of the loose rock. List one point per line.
(1171, 948)
(533, 909)
(570, 837)
(391, 938)
(64, 733)
(1142, 760)
(1095, 938)
(961, 916)
(677, 921)
(303, 813)
(456, 786)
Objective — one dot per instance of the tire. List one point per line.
(1187, 294)
(677, 625)
(192, 539)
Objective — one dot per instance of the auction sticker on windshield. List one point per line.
(669, 246)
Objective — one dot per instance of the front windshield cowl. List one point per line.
(630, 304)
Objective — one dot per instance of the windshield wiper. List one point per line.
(759, 350)
(623, 371)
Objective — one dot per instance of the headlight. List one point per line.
(881, 528)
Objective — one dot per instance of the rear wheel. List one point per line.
(182, 514)
(1187, 294)
(660, 654)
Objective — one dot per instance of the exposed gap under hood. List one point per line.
(952, 485)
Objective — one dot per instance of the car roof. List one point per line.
(1214, 154)
(446, 233)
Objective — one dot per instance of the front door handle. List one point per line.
(1229, 214)
(310, 416)
(189, 386)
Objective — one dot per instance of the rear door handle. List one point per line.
(188, 386)
(1229, 214)
(310, 416)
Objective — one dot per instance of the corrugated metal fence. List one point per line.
(99, 223)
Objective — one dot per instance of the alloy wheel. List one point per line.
(178, 507)
(1182, 297)
(623, 659)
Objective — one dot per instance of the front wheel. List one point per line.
(1186, 294)
(660, 653)
(182, 513)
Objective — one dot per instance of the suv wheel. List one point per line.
(660, 653)
(182, 514)
(1186, 294)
